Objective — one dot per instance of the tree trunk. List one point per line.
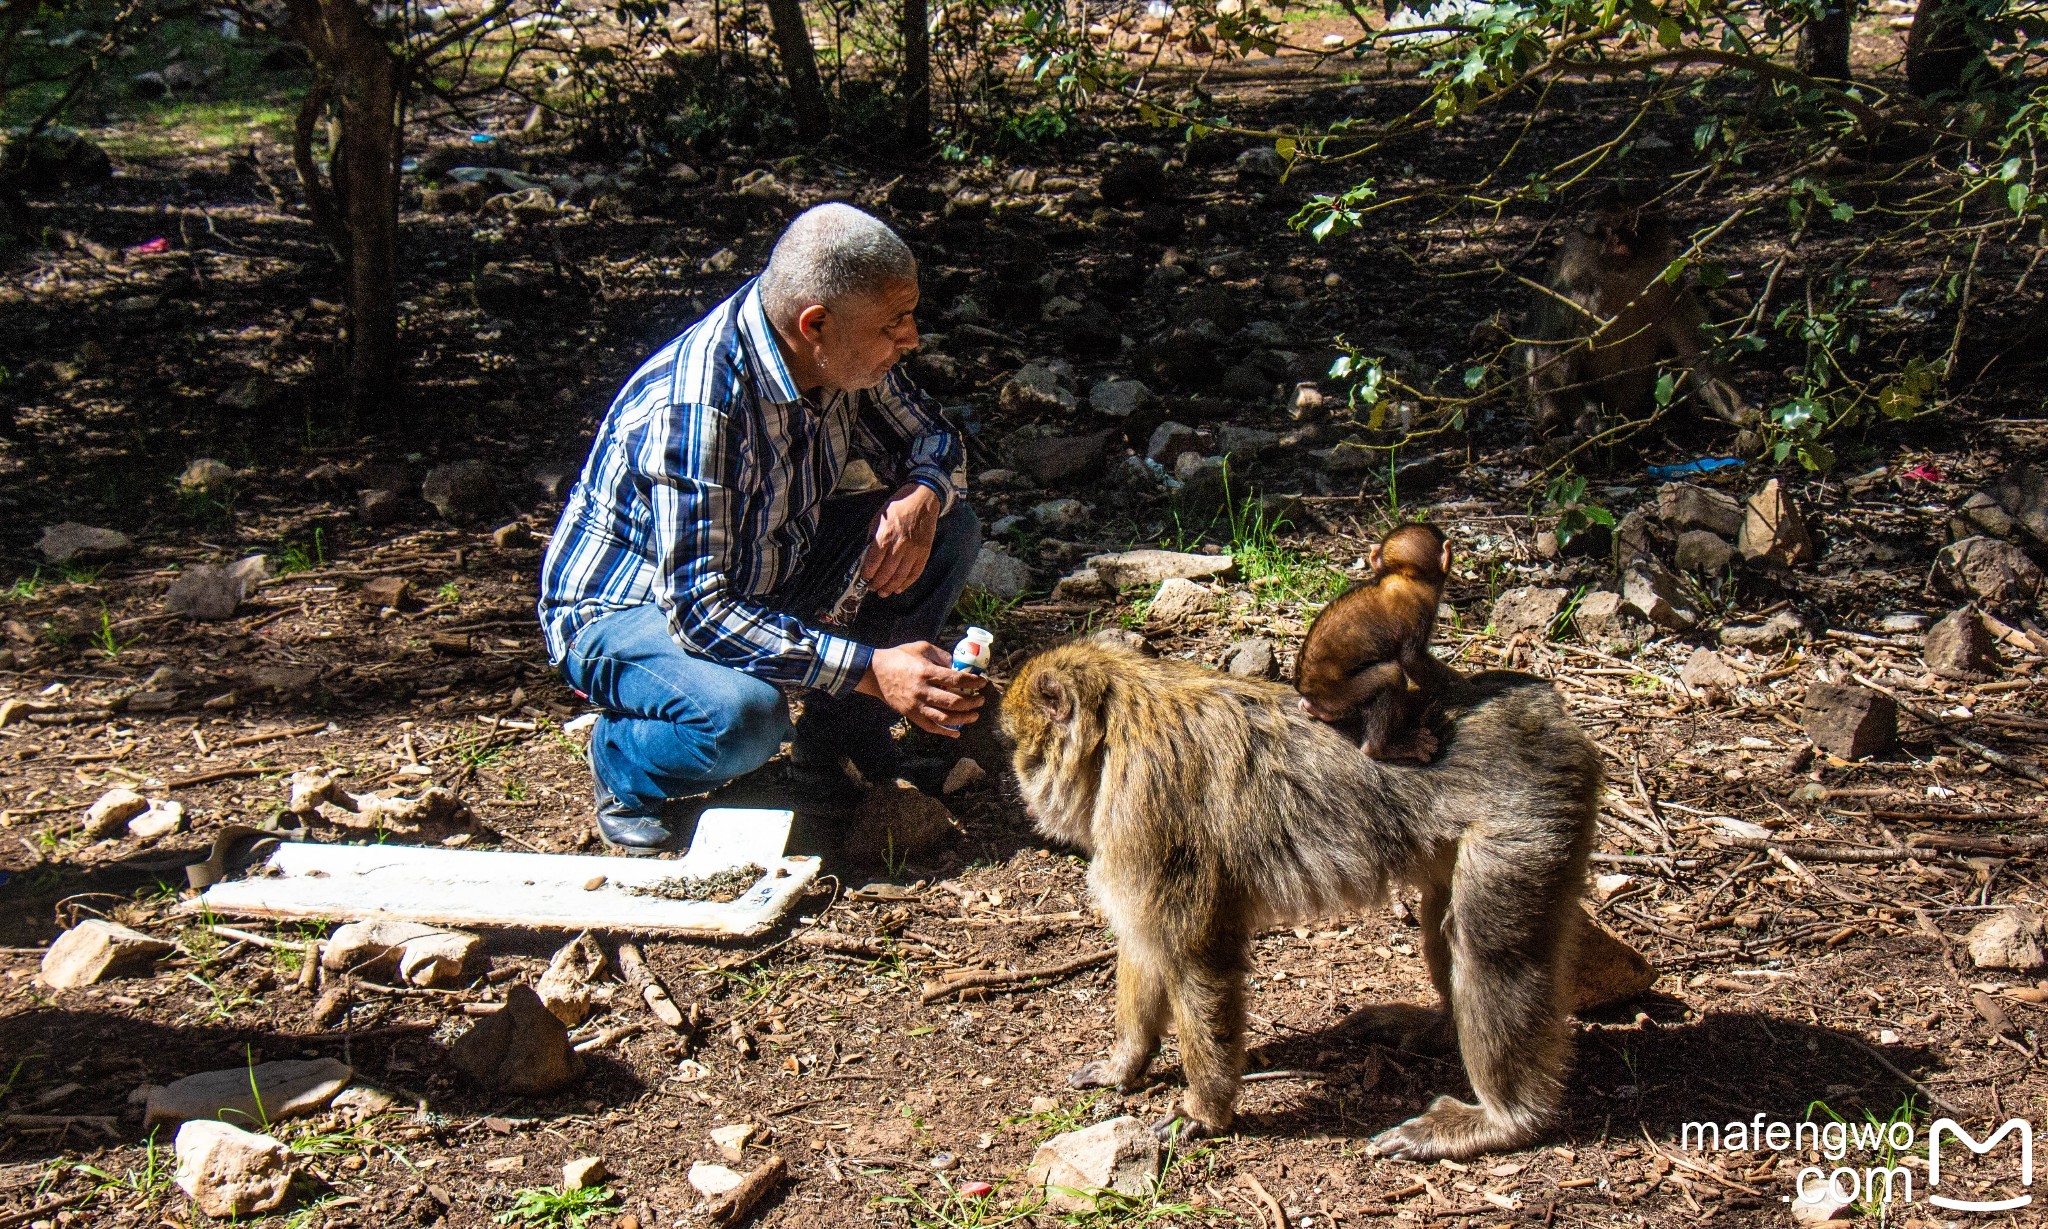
(1940, 54)
(800, 64)
(1824, 42)
(917, 75)
(357, 205)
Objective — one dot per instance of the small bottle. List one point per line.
(971, 654)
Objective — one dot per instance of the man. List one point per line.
(699, 567)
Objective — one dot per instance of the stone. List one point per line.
(1708, 671)
(1605, 969)
(1607, 622)
(161, 820)
(1959, 646)
(1772, 528)
(1204, 483)
(712, 1181)
(731, 1139)
(1902, 623)
(1772, 634)
(1169, 441)
(1530, 610)
(1245, 442)
(1059, 459)
(71, 542)
(1134, 179)
(207, 592)
(1150, 567)
(1635, 537)
(437, 961)
(1060, 513)
(380, 507)
(963, 773)
(1120, 1155)
(999, 574)
(1981, 513)
(95, 950)
(1180, 601)
(463, 492)
(551, 481)
(231, 1172)
(1307, 402)
(422, 955)
(1261, 164)
(1251, 658)
(2023, 495)
(513, 536)
(522, 1049)
(205, 475)
(1646, 586)
(1702, 552)
(583, 1173)
(2009, 939)
(1849, 722)
(1119, 398)
(363, 1101)
(565, 989)
(53, 158)
(112, 812)
(897, 820)
(380, 592)
(1082, 585)
(1683, 506)
(251, 1096)
(1123, 638)
(1045, 386)
(1988, 570)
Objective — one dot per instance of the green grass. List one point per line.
(302, 557)
(947, 1208)
(25, 588)
(1273, 571)
(980, 608)
(1059, 1120)
(105, 640)
(448, 594)
(151, 1182)
(183, 127)
(547, 1207)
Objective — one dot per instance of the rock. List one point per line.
(1251, 658)
(519, 1050)
(259, 1095)
(1959, 646)
(1981, 513)
(95, 950)
(1635, 537)
(1993, 572)
(1181, 601)
(378, 507)
(437, 960)
(1134, 179)
(231, 1172)
(1529, 610)
(208, 592)
(1244, 442)
(1119, 398)
(731, 1139)
(1702, 553)
(1060, 513)
(160, 820)
(462, 492)
(1902, 624)
(422, 955)
(2023, 494)
(565, 989)
(1307, 402)
(55, 157)
(112, 812)
(1772, 528)
(584, 1172)
(712, 1181)
(71, 542)
(1082, 585)
(1045, 386)
(363, 1101)
(1063, 458)
(1121, 1155)
(999, 574)
(1605, 969)
(1849, 722)
(381, 592)
(205, 474)
(1204, 483)
(1606, 621)
(1646, 586)
(1773, 633)
(1683, 506)
(1708, 670)
(1169, 441)
(1149, 567)
(2009, 939)
(1261, 164)
(1122, 637)
(965, 772)
(552, 481)
(514, 536)
(897, 820)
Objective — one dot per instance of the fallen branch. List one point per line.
(1993, 846)
(1971, 745)
(936, 990)
(617, 1033)
(633, 966)
(1809, 852)
(728, 1208)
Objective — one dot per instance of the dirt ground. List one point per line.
(1818, 974)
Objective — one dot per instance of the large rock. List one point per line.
(1607, 970)
(1204, 485)
(1151, 567)
(95, 950)
(463, 492)
(53, 158)
(897, 820)
(1119, 398)
(2023, 494)
(1169, 441)
(1261, 164)
(1060, 514)
(522, 1049)
(1959, 646)
(1120, 1155)
(1608, 622)
(1657, 593)
(999, 574)
(1849, 722)
(1772, 634)
(1773, 529)
(1683, 506)
(1993, 572)
(208, 592)
(1040, 387)
(71, 542)
(1082, 585)
(1702, 552)
(231, 1172)
(1182, 601)
(251, 1096)
(2009, 939)
(110, 815)
(421, 955)
(1529, 610)
(1709, 671)
(1063, 458)
(206, 475)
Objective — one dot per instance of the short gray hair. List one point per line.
(831, 254)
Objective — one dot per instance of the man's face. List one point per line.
(860, 340)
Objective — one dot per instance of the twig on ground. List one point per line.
(936, 990)
(1971, 745)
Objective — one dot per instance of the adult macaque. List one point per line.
(1367, 653)
(1213, 808)
(1597, 336)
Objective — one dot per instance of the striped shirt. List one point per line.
(703, 489)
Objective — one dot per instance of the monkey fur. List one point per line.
(1212, 808)
(1367, 653)
(1610, 269)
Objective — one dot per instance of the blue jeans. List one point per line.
(676, 724)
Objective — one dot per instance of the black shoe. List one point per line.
(620, 829)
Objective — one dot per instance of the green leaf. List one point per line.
(1475, 376)
(1667, 387)
(1843, 211)
(1669, 34)
(2016, 198)
(1285, 147)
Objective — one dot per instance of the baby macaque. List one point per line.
(1367, 654)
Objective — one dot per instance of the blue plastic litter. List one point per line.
(1705, 465)
(481, 138)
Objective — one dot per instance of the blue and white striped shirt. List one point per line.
(703, 489)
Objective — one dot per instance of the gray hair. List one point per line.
(831, 254)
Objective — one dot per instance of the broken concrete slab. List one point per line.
(95, 950)
(251, 1096)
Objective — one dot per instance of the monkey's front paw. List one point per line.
(1175, 1129)
(1102, 1073)
(1413, 1140)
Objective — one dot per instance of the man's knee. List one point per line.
(745, 728)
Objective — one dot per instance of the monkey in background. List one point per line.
(1212, 808)
(1596, 337)
(1367, 653)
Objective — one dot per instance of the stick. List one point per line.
(728, 1208)
(222, 774)
(936, 990)
(1816, 853)
(252, 740)
(42, 1209)
(275, 945)
(58, 1122)
(1886, 1063)
(633, 965)
(600, 1040)
(1272, 1205)
(1996, 846)
(2000, 758)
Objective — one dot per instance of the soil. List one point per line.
(1791, 986)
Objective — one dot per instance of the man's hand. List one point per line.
(903, 540)
(919, 681)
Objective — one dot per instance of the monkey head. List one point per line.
(1053, 713)
(1418, 551)
(1626, 224)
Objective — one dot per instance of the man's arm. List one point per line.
(905, 437)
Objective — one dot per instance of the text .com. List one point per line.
(1889, 1145)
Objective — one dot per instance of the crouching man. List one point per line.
(703, 566)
